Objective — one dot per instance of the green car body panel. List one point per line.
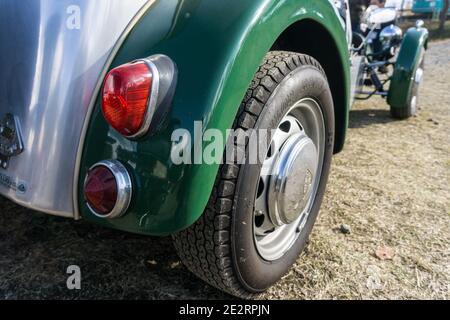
(413, 45)
(217, 47)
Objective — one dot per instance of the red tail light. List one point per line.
(107, 189)
(137, 96)
(100, 190)
(126, 94)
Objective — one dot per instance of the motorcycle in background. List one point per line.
(388, 63)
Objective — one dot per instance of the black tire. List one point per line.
(411, 108)
(219, 248)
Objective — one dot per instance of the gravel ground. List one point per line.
(390, 188)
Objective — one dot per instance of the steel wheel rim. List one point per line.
(307, 126)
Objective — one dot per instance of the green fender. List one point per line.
(411, 50)
(217, 46)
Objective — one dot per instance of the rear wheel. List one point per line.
(260, 215)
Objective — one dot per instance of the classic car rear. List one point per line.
(53, 55)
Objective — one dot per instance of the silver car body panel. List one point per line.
(53, 55)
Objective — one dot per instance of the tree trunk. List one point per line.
(443, 17)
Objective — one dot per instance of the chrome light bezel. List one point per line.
(164, 78)
(124, 188)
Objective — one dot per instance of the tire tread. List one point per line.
(205, 247)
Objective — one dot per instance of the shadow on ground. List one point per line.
(367, 117)
(35, 251)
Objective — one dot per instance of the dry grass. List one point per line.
(391, 185)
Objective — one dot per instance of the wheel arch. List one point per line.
(309, 37)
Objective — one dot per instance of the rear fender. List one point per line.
(413, 45)
(217, 47)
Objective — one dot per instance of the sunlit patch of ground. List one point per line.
(391, 185)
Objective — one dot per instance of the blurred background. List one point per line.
(435, 13)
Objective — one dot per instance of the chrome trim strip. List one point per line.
(124, 188)
(419, 75)
(152, 100)
(97, 89)
(165, 81)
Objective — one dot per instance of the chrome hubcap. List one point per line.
(292, 179)
(289, 179)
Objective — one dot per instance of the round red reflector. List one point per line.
(126, 93)
(100, 190)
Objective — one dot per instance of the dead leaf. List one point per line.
(152, 262)
(385, 253)
(174, 265)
